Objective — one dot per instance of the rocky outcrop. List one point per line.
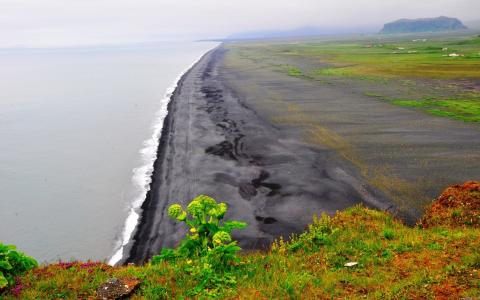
(423, 25)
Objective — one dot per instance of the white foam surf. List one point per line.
(142, 176)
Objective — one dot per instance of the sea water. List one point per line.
(79, 131)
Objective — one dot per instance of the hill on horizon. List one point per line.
(423, 25)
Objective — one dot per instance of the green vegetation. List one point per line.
(399, 69)
(465, 110)
(442, 59)
(345, 71)
(333, 72)
(358, 253)
(292, 71)
(208, 247)
(13, 263)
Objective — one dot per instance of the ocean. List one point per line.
(79, 130)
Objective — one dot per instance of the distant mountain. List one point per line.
(298, 32)
(423, 25)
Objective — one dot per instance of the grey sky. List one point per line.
(39, 23)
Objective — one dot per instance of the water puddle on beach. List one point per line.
(78, 132)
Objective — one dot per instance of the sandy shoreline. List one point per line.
(213, 143)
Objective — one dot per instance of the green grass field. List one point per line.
(431, 59)
(448, 66)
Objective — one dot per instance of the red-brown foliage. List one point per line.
(458, 205)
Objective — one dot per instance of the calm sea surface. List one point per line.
(78, 130)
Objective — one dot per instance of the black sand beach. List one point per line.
(279, 150)
(214, 143)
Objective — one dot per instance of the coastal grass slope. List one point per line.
(358, 253)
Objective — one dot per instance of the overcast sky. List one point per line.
(44, 23)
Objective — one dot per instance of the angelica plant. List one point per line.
(208, 247)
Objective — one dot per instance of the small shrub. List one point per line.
(388, 234)
(13, 263)
(320, 233)
(402, 248)
(387, 254)
(208, 246)
(435, 246)
(472, 260)
(456, 213)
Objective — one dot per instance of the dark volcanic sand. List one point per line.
(213, 143)
(410, 155)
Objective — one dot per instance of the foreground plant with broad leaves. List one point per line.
(13, 263)
(359, 253)
(208, 247)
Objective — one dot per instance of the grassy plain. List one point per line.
(441, 73)
(414, 58)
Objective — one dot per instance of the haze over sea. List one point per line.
(78, 129)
